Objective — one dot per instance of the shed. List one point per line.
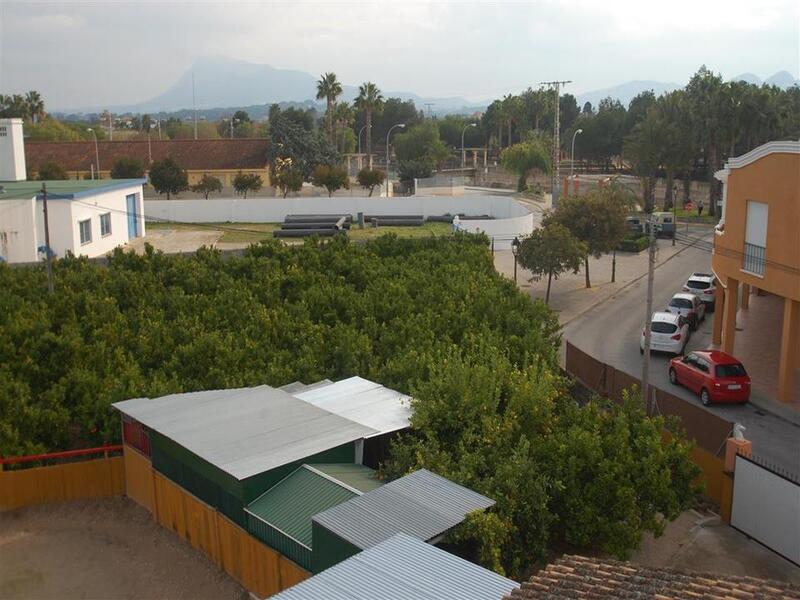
(229, 446)
(366, 402)
(402, 567)
(281, 516)
(422, 504)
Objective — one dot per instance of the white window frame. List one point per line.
(105, 216)
(89, 231)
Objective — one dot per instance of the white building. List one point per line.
(89, 217)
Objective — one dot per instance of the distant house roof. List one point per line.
(289, 505)
(362, 401)
(422, 504)
(244, 431)
(67, 189)
(193, 155)
(580, 577)
(402, 567)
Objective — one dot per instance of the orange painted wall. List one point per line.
(774, 180)
(138, 478)
(98, 478)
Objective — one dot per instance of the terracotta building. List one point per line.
(757, 247)
(222, 158)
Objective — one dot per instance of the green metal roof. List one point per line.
(289, 505)
(359, 477)
(66, 189)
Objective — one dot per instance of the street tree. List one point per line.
(550, 251)
(35, 106)
(287, 178)
(328, 89)
(421, 142)
(127, 167)
(331, 178)
(597, 219)
(247, 182)
(523, 158)
(369, 179)
(167, 177)
(644, 149)
(305, 149)
(50, 170)
(206, 185)
(369, 101)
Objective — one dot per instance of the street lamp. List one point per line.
(462, 143)
(400, 125)
(572, 157)
(515, 251)
(96, 152)
(674, 212)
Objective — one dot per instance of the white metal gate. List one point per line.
(766, 507)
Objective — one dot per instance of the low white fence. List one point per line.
(766, 507)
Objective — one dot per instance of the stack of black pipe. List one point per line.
(394, 220)
(321, 225)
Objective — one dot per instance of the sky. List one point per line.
(117, 52)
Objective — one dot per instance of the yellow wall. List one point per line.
(87, 479)
(139, 478)
(224, 175)
(774, 180)
(257, 567)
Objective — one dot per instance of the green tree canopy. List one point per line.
(303, 148)
(50, 170)
(549, 251)
(331, 178)
(127, 167)
(167, 177)
(421, 142)
(287, 178)
(523, 158)
(369, 179)
(247, 182)
(206, 185)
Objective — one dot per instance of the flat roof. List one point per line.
(67, 189)
(244, 431)
(422, 504)
(402, 567)
(289, 505)
(362, 401)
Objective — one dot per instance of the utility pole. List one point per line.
(47, 250)
(556, 185)
(651, 265)
(194, 108)
(429, 104)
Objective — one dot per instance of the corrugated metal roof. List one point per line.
(421, 504)
(402, 568)
(298, 386)
(245, 431)
(359, 477)
(289, 505)
(364, 402)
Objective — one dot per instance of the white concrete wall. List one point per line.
(12, 150)
(503, 231)
(18, 239)
(273, 210)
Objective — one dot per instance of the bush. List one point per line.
(331, 178)
(633, 244)
(370, 179)
(127, 167)
(167, 177)
(247, 182)
(51, 171)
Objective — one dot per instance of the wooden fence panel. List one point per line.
(139, 478)
(170, 510)
(291, 574)
(97, 478)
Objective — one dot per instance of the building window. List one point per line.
(86, 231)
(105, 224)
(755, 238)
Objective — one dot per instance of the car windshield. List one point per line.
(730, 371)
(662, 327)
(680, 303)
(698, 285)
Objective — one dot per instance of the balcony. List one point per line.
(754, 259)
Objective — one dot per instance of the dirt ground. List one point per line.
(700, 541)
(105, 549)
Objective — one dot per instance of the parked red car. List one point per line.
(714, 375)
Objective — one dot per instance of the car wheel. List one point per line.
(673, 377)
(704, 397)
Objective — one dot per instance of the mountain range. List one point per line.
(221, 82)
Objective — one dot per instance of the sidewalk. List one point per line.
(568, 294)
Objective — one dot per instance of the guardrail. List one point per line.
(104, 450)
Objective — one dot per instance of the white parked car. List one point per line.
(668, 333)
(705, 286)
(689, 306)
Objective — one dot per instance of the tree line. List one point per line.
(428, 317)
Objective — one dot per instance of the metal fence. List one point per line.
(754, 258)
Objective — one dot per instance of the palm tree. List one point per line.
(329, 88)
(369, 99)
(342, 119)
(35, 106)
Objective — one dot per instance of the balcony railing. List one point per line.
(754, 258)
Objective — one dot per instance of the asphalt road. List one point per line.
(610, 332)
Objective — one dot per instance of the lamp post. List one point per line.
(400, 125)
(572, 156)
(674, 212)
(462, 142)
(96, 152)
(515, 251)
